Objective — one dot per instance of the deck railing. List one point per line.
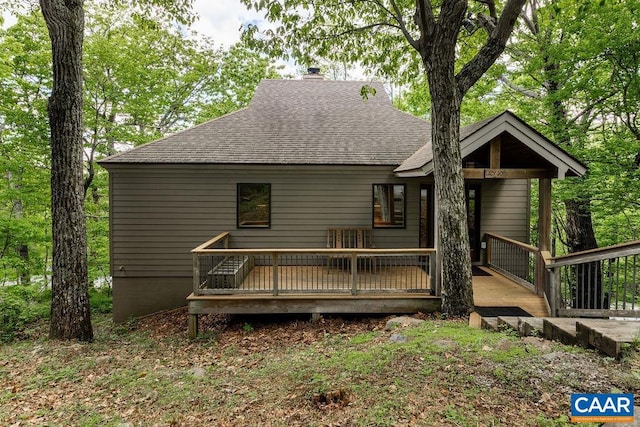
(602, 282)
(218, 269)
(518, 261)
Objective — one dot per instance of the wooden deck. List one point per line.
(394, 294)
(498, 291)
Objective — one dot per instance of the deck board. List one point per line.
(498, 291)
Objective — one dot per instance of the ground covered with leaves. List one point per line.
(287, 371)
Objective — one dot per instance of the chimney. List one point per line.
(313, 73)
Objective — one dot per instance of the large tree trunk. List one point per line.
(70, 313)
(453, 234)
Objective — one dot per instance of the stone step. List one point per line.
(531, 326)
(509, 322)
(610, 337)
(560, 329)
(489, 323)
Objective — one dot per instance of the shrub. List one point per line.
(23, 304)
(11, 316)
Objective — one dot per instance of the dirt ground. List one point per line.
(339, 371)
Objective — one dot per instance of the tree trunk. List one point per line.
(70, 313)
(580, 237)
(579, 227)
(453, 234)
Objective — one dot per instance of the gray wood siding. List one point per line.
(505, 208)
(160, 213)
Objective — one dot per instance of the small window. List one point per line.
(254, 205)
(388, 205)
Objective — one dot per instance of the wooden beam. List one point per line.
(544, 232)
(544, 214)
(494, 153)
(471, 173)
(489, 173)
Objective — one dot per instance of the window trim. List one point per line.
(238, 201)
(404, 206)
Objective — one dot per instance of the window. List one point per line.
(254, 205)
(388, 205)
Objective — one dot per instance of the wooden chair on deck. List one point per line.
(350, 238)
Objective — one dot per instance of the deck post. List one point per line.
(193, 326)
(433, 274)
(196, 274)
(354, 273)
(274, 257)
(544, 231)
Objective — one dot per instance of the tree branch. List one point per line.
(491, 4)
(397, 14)
(521, 90)
(425, 21)
(492, 49)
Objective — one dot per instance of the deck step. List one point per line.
(608, 336)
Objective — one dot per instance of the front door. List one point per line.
(427, 223)
(472, 198)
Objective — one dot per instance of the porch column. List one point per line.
(544, 232)
(544, 214)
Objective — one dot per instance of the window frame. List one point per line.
(404, 206)
(256, 224)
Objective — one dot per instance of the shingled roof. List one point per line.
(296, 122)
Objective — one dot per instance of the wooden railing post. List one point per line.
(274, 257)
(540, 274)
(554, 278)
(354, 273)
(489, 240)
(196, 274)
(434, 274)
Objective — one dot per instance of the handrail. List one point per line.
(220, 269)
(211, 242)
(598, 254)
(320, 251)
(598, 282)
(525, 246)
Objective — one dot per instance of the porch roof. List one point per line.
(479, 134)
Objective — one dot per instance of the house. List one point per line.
(307, 156)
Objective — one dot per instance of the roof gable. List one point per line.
(477, 135)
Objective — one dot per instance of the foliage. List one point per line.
(143, 78)
(22, 305)
(24, 149)
(576, 60)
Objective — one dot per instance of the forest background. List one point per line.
(571, 70)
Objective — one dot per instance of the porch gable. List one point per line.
(503, 146)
